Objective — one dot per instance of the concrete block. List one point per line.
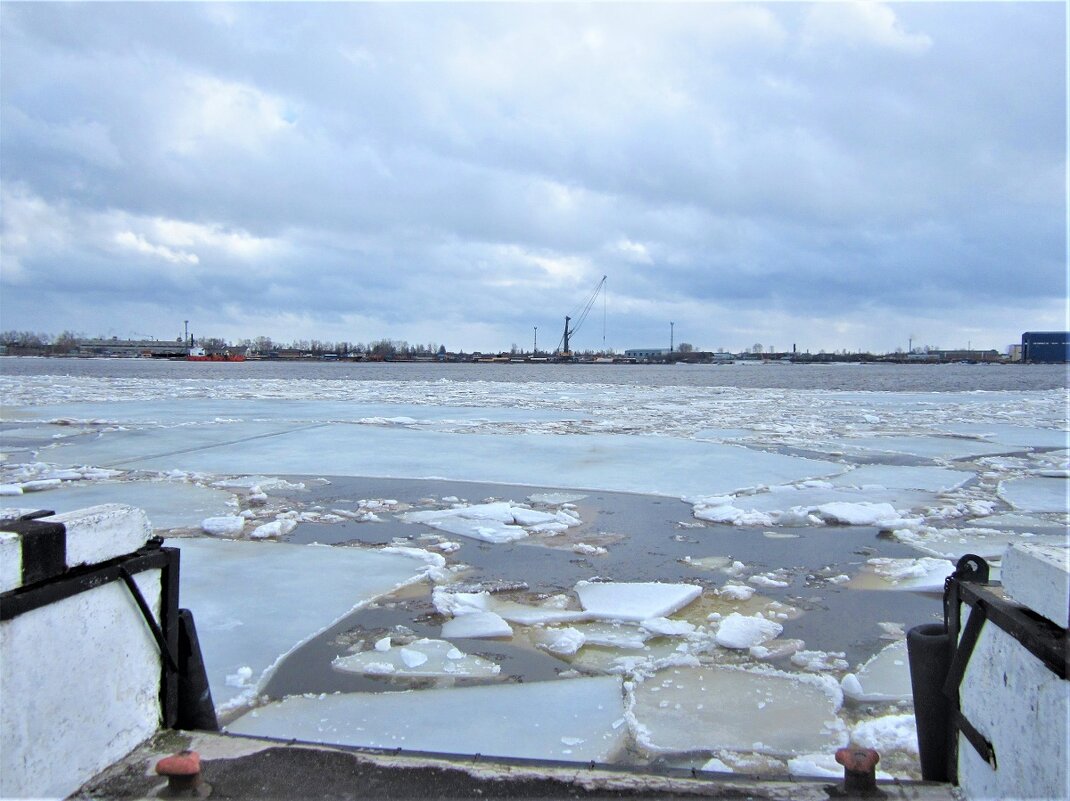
(80, 681)
(1038, 576)
(1023, 709)
(100, 533)
(10, 561)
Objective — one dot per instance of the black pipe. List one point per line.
(929, 653)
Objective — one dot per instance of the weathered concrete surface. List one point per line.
(1023, 709)
(246, 768)
(1038, 576)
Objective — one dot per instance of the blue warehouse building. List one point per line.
(1046, 347)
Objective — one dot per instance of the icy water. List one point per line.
(861, 377)
(595, 550)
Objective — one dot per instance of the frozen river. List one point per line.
(708, 566)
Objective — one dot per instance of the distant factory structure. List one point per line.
(1046, 347)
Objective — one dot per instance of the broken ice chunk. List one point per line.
(422, 657)
(768, 712)
(736, 592)
(634, 602)
(888, 733)
(885, 677)
(276, 528)
(224, 526)
(708, 562)
(819, 661)
(862, 513)
(561, 641)
(477, 625)
(583, 710)
(742, 631)
(664, 627)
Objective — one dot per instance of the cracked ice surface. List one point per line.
(276, 597)
(576, 719)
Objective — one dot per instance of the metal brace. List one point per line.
(975, 569)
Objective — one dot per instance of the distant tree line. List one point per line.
(39, 342)
(381, 347)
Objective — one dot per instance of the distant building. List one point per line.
(647, 353)
(130, 348)
(1046, 347)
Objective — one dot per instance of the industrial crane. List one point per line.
(563, 349)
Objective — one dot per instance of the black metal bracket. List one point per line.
(75, 581)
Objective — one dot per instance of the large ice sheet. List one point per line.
(1020, 436)
(713, 708)
(927, 446)
(931, 479)
(591, 461)
(169, 504)
(256, 601)
(277, 404)
(574, 720)
(1037, 494)
(954, 543)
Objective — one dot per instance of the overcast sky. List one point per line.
(830, 176)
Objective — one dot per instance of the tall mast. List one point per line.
(564, 351)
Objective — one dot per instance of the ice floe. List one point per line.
(423, 657)
(636, 601)
(1037, 494)
(575, 720)
(497, 522)
(712, 708)
(277, 597)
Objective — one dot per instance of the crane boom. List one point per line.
(580, 317)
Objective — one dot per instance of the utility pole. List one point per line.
(671, 332)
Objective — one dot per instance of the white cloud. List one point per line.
(635, 252)
(861, 22)
(136, 243)
(212, 113)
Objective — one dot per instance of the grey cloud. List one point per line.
(460, 162)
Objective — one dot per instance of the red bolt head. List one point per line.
(858, 760)
(184, 763)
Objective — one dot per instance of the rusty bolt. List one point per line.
(183, 771)
(859, 769)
